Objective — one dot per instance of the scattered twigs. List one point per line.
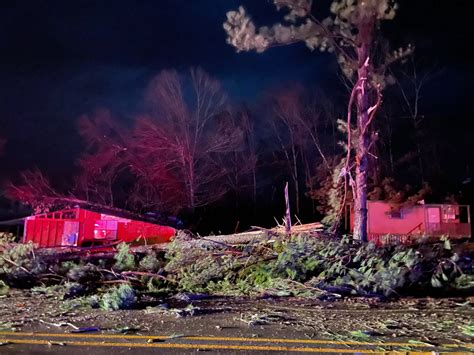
(112, 272)
(115, 282)
(52, 275)
(143, 273)
(298, 221)
(15, 264)
(227, 246)
(59, 325)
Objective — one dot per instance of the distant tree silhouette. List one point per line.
(34, 190)
(182, 135)
(105, 158)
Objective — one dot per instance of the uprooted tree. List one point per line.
(351, 32)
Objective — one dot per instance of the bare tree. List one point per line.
(180, 136)
(106, 156)
(350, 32)
(295, 125)
(411, 83)
(291, 138)
(249, 130)
(35, 191)
(386, 126)
(99, 167)
(240, 164)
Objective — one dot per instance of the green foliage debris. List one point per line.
(305, 265)
(119, 297)
(124, 259)
(468, 330)
(4, 288)
(150, 262)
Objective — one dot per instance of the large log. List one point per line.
(204, 242)
(251, 236)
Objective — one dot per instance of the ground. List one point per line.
(186, 323)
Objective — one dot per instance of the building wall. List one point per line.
(382, 222)
(79, 227)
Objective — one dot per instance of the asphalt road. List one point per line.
(99, 343)
(41, 324)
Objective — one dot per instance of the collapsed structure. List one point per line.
(79, 227)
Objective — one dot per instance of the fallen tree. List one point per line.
(260, 234)
(309, 264)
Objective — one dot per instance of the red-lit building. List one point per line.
(408, 223)
(79, 227)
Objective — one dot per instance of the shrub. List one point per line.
(84, 274)
(121, 297)
(4, 288)
(150, 262)
(124, 259)
(15, 255)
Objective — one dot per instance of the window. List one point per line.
(69, 214)
(396, 214)
(450, 214)
(104, 229)
(70, 233)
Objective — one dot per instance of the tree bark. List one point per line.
(362, 150)
(287, 213)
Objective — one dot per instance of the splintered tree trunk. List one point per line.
(287, 213)
(362, 159)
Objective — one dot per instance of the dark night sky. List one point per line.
(59, 59)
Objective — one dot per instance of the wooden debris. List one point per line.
(262, 234)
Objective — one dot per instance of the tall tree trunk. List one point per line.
(287, 212)
(362, 158)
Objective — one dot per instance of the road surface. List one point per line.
(105, 343)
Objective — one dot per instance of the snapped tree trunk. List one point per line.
(362, 150)
(287, 213)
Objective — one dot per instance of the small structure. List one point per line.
(406, 224)
(79, 227)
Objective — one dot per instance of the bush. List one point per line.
(121, 297)
(84, 274)
(4, 288)
(15, 255)
(150, 262)
(6, 238)
(124, 259)
(302, 265)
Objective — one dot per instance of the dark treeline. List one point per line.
(191, 151)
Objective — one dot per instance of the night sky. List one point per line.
(60, 59)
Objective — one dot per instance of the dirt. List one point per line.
(424, 319)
